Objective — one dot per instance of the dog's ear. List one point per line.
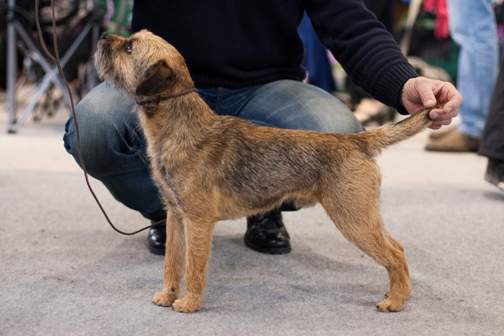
(158, 77)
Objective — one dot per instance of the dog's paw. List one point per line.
(164, 299)
(389, 304)
(187, 305)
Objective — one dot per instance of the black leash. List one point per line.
(55, 58)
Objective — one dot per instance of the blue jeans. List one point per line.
(114, 150)
(473, 27)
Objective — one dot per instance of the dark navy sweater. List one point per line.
(238, 43)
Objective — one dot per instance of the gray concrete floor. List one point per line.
(64, 272)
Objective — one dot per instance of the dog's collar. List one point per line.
(151, 101)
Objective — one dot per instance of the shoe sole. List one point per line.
(450, 150)
(252, 246)
(496, 182)
(267, 250)
(156, 251)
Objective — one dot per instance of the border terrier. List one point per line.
(210, 168)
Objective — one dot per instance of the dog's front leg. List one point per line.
(174, 260)
(198, 236)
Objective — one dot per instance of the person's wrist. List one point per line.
(403, 100)
(406, 89)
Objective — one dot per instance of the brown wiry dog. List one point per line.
(210, 167)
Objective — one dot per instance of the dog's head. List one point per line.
(142, 65)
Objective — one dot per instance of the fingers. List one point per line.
(434, 114)
(437, 124)
(441, 97)
(445, 122)
(440, 118)
(441, 114)
(450, 100)
(453, 98)
(426, 93)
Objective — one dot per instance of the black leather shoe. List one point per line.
(267, 234)
(156, 238)
(495, 173)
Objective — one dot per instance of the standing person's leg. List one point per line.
(492, 144)
(472, 23)
(294, 105)
(473, 27)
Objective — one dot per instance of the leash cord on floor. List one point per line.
(55, 58)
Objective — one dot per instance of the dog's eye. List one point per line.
(128, 47)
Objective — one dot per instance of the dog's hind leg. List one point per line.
(174, 260)
(198, 234)
(357, 216)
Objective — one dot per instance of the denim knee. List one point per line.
(325, 113)
(110, 140)
(345, 122)
(296, 105)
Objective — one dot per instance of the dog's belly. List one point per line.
(234, 206)
(253, 192)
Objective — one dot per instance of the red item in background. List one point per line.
(441, 9)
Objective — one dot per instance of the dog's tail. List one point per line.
(373, 141)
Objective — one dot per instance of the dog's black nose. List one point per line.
(105, 36)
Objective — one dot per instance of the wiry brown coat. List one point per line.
(210, 167)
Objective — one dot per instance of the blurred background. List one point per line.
(421, 28)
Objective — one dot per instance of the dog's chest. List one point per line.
(168, 186)
(163, 173)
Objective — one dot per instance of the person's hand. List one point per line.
(442, 97)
